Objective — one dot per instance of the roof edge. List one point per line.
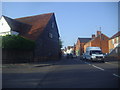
(35, 15)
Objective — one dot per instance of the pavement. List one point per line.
(25, 75)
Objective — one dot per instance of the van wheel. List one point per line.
(91, 60)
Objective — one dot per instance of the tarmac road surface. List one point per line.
(66, 73)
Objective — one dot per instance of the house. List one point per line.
(114, 44)
(68, 50)
(98, 40)
(114, 41)
(11, 26)
(40, 28)
(80, 45)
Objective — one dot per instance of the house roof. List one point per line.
(98, 36)
(38, 23)
(115, 35)
(84, 40)
(16, 25)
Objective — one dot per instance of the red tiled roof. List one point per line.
(115, 35)
(84, 40)
(38, 23)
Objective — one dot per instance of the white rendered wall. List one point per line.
(4, 27)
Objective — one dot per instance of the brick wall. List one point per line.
(78, 45)
(101, 42)
(87, 45)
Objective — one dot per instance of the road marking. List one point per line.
(116, 75)
(98, 67)
(95, 66)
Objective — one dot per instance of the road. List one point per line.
(66, 73)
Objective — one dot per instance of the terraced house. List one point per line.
(40, 28)
(99, 40)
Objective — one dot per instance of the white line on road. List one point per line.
(116, 75)
(95, 66)
(98, 67)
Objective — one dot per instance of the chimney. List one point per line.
(93, 36)
(98, 33)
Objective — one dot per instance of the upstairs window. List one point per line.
(112, 41)
(50, 35)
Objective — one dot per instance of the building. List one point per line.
(114, 45)
(80, 45)
(98, 40)
(114, 41)
(40, 28)
(69, 49)
(12, 26)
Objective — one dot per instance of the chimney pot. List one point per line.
(98, 33)
(93, 36)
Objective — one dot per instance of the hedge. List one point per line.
(17, 42)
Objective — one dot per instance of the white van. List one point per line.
(94, 54)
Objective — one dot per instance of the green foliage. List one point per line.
(17, 42)
(60, 43)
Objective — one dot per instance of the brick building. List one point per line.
(80, 45)
(100, 40)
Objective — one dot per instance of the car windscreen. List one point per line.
(95, 52)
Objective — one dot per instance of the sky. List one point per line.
(74, 19)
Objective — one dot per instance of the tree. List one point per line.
(60, 43)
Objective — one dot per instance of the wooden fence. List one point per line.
(17, 56)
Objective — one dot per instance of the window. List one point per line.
(53, 24)
(112, 41)
(50, 35)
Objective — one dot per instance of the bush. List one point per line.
(17, 42)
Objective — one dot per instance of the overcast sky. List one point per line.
(78, 19)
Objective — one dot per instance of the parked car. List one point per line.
(94, 54)
(69, 56)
